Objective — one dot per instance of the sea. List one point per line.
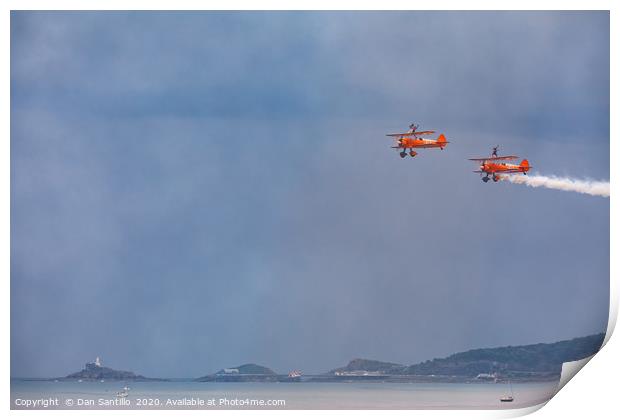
(30, 394)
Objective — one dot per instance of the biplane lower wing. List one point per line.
(434, 144)
(515, 170)
(506, 171)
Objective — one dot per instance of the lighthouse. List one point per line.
(94, 365)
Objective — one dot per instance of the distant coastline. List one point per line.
(528, 363)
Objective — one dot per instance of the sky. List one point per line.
(198, 190)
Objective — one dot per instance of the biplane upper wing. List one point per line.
(487, 159)
(416, 133)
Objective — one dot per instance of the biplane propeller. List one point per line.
(494, 165)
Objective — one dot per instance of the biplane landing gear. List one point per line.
(412, 153)
(485, 179)
(403, 154)
(495, 178)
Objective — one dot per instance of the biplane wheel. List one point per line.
(403, 154)
(495, 178)
(412, 153)
(485, 179)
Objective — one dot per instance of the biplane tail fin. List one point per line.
(441, 139)
(524, 165)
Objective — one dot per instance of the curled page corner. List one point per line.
(570, 369)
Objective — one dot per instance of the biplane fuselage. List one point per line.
(509, 168)
(419, 143)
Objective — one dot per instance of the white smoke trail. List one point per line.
(598, 188)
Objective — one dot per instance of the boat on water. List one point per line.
(509, 397)
(123, 393)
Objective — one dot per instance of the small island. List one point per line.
(95, 371)
(245, 373)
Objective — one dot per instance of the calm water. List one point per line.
(162, 395)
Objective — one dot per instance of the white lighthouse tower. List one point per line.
(98, 362)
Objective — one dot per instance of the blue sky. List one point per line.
(191, 191)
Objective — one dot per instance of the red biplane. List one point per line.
(411, 140)
(494, 165)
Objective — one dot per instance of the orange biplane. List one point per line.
(494, 165)
(410, 140)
